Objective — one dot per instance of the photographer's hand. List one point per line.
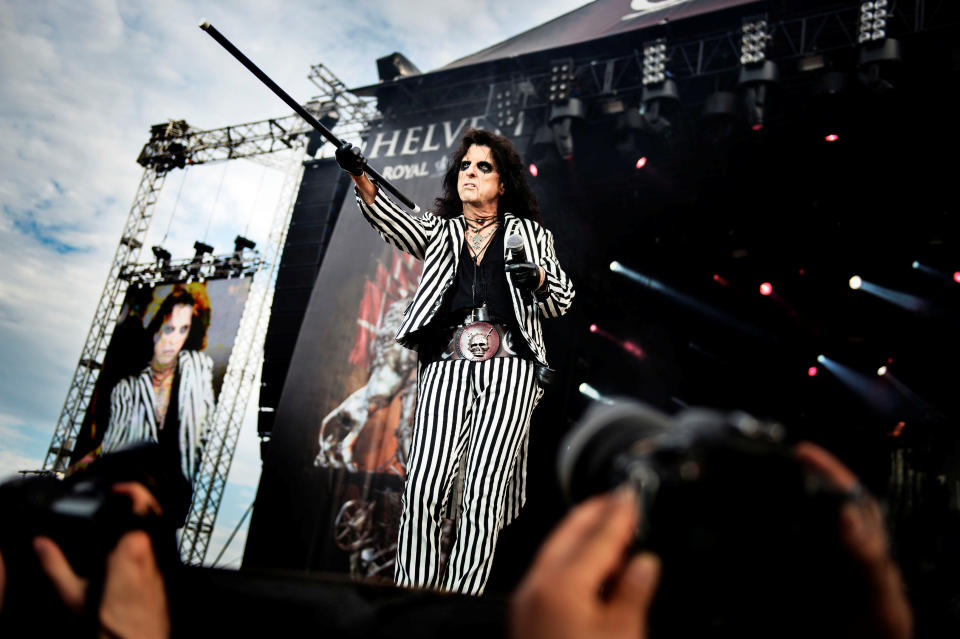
(581, 585)
(134, 601)
(862, 532)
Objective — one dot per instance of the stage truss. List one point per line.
(175, 145)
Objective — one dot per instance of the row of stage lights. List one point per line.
(855, 380)
(201, 267)
(660, 97)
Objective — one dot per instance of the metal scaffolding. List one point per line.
(175, 145)
(246, 359)
(104, 320)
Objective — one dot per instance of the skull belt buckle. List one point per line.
(477, 342)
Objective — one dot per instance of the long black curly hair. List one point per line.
(517, 197)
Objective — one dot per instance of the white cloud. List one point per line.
(18, 448)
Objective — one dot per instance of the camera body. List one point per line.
(748, 539)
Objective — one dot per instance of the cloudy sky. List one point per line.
(80, 85)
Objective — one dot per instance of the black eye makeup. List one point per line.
(483, 166)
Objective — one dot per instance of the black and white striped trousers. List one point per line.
(482, 410)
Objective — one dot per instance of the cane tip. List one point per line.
(204, 24)
(416, 209)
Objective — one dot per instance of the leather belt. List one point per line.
(478, 342)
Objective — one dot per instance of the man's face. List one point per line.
(172, 334)
(478, 182)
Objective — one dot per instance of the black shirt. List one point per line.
(484, 283)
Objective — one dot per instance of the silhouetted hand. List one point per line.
(862, 533)
(560, 596)
(134, 601)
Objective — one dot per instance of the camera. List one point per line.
(749, 541)
(85, 518)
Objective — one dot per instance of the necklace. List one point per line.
(480, 222)
(478, 245)
(161, 373)
(479, 236)
(162, 377)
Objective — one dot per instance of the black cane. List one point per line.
(303, 113)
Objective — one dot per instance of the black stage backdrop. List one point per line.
(711, 216)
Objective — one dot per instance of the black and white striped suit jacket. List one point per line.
(437, 242)
(133, 418)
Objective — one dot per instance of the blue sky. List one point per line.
(80, 85)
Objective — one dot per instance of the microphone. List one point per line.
(514, 244)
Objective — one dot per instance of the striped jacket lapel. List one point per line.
(455, 230)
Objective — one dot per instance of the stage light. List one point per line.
(882, 371)
(565, 110)
(659, 104)
(873, 21)
(541, 152)
(753, 39)
(396, 65)
(642, 162)
(659, 99)
(833, 137)
(755, 83)
(507, 103)
(201, 249)
(937, 273)
(241, 243)
(615, 266)
(956, 277)
(162, 254)
(719, 280)
(873, 392)
(591, 392)
(766, 288)
(654, 62)
(905, 301)
(757, 74)
(877, 62)
(812, 371)
(633, 349)
(562, 119)
(561, 80)
(533, 169)
(720, 116)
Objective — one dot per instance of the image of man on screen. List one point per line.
(171, 400)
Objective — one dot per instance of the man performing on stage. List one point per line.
(490, 273)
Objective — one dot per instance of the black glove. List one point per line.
(526, 275)
(351, 159)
